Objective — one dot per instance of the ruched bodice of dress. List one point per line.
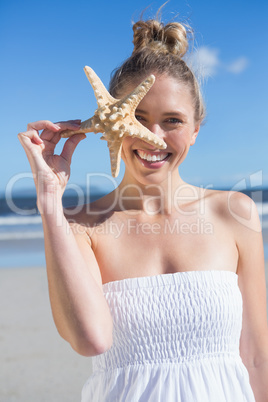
(175, 338)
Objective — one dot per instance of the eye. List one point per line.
(174, 120)
(139, 117)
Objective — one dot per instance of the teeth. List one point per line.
(151, 158)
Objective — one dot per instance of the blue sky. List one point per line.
(45, 45)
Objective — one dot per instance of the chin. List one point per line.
(149, 178)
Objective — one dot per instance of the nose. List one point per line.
(157, 130)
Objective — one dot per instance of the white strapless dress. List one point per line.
(175, 339)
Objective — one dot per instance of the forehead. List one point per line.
(166, 93)
(161, 81)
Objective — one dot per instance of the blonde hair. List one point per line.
(158, 49)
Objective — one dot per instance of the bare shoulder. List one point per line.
(236, 208)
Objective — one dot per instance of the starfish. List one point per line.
(115, 118)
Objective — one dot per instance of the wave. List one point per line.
(14, 220)
(21, 235)
(18, 227)
(20, 220)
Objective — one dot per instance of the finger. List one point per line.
(42, 125)
(70, 145)
(29, 141)
(48, 135)
(69, 125)
(76, 121)
(30, 136)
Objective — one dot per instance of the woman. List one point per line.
(147, 278)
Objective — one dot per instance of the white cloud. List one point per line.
(205, 62)
(238, 65)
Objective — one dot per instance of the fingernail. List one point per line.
(57, 127)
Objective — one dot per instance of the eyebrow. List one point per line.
(167, 114)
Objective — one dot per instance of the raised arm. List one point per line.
(79, 308)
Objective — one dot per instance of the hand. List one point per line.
(51, 172)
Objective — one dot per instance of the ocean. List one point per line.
(21, 234)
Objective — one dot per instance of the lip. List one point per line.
(155, 164)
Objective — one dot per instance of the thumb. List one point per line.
(70, 145)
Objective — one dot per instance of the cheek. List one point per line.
(126, 147)
(178, 141)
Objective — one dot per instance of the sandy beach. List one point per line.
(37, 365)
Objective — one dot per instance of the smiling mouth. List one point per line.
(152, 157)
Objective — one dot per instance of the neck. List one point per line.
(151, 198)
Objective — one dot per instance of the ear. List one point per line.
(195, 133)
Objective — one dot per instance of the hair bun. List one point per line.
(169, 38)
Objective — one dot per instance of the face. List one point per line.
(166, 110)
